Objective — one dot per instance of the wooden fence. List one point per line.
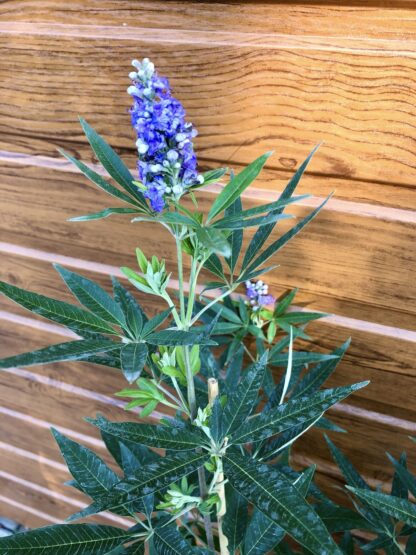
(254, 76)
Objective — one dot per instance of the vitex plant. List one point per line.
(214, 475)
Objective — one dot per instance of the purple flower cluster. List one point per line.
(257, 293)
(167, 162)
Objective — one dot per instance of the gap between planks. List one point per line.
(108, 270)
(273, 41)
(363, 209)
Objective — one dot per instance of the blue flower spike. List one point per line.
(167, 163)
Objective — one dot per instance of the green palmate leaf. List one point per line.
(213, 240)
(57, 311)
(284, 302)
(92, 296)
(300, 357)
(112, 163)
(274, 495)
(169, 541)
(179, 337)
(262, 234)
(313, 380)
(237, 186)
(291, 414)
(236, 237)
(158, 475)
(398, 508)
(163, 437)
(103, 214)
(133, 358)
(241, 402)
(235, 519)
(71, 350)
(92, 475)
(142, 454)
(64, 539)
(262, 209)
(99, 180)
(133, 313)
(285, 238)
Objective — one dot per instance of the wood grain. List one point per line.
(371, 18)
(341, 256)
(360, 104)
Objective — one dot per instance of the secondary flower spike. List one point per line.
(167, 163)
(257, 294)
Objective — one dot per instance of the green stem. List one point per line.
(212, 303)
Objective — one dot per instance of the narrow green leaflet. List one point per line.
(92, 475)
(154, 477)
(237, 186)
(262, 534)
(103, 214)
(71, 350)
(291, 414)
(285, 238)
(133, 313)
(263, 233)
(133, 358)
(92, 296)
(241, 402)
(273, 494)
(339, 519)
(213, 240)
(236, 237)
(398, 508)
(299, 357)
(403, 480)
(65, 539)
(155, 322)
(163, 437)
(112, 163)
(178, 337)
(258, 221)
(313, 379)
(235, 519)
(98, 180)
(57, 311)
(169, 541)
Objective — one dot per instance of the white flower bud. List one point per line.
(133, 90)
(135, 63)
(133, 75)
(200, 179)
(141, 146)
(180, 137)
(177, 190)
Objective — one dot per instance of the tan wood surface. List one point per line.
(254, 76)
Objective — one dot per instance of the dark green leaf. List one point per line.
(92, 475)
(158, 475)
(262, 535)
(273, 494)
(178, 337)
(235, 519)
(299, 357)
(240, 403)
(133, 313)
(92, 296)
(112, 163)
(228, 223)
(164, 437)
(213, 240)
(64, 539)
(237, 186)
(338, 519)
(262, 234)
(169, 541)
(213, 264)
(291, 414)
(71, 350)
(54, 310)
(285, 238)
(400, 509)
(155, 322)
(403, 481)
(103, 214)
(236, 237)
(133, 358)
(313, 379)
(99, 180)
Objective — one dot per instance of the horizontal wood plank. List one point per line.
(339, 256)
(371, 18)
(359, 104)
